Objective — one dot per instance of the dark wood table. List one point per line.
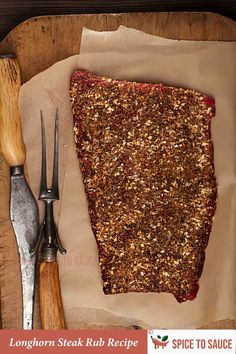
(12, 12)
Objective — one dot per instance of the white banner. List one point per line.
(191, 341)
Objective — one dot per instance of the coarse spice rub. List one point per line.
(146, 157)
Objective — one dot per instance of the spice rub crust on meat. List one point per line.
(146, 158)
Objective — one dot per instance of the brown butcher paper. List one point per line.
(209, 67)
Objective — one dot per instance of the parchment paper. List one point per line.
(209, 67)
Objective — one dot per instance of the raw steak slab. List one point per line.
(146, 157)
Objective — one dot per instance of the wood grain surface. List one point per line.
(39, 43)
(51, 307)
(11, 139)
(13, 12)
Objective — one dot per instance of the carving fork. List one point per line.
(51, 308)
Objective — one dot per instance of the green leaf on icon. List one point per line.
(164, 338)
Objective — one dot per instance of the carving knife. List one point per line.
(23, 206)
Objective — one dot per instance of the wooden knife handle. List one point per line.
(51, 307)
(11, 140)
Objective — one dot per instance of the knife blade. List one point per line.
(23, 206)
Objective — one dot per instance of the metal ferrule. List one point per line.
(17, 170)
(48, 253)
(9, 56)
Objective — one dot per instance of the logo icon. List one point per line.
(160, 342)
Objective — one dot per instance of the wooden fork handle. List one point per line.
(51, 308)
